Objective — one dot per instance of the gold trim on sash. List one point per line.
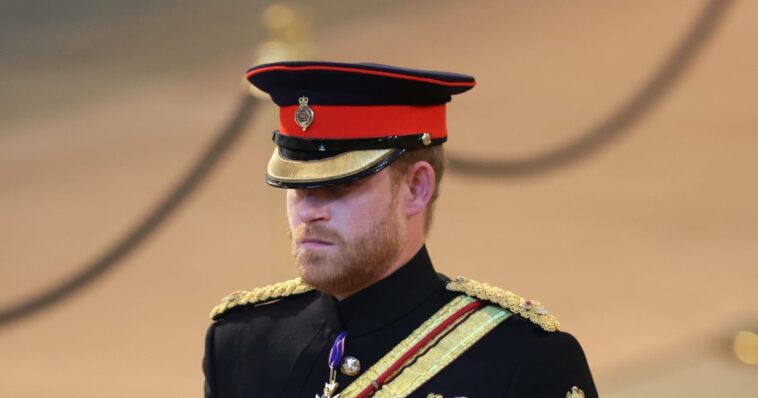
(447, 349)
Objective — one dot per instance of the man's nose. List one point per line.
(314, 205)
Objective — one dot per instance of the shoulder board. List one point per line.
(260, 295)
(529, 309)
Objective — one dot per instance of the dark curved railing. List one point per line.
(137, 235)
(632, 111)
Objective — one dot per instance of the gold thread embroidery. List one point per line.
(445, 351)
(529, 309)
(260, 295)
(386, 361)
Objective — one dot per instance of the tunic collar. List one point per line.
(385, 301)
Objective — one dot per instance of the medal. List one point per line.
(335, 361)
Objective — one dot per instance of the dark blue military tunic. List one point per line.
(281, 349)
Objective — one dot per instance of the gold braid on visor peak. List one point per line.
(342, 168)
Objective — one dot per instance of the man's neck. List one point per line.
(405, 255)
(403, 258)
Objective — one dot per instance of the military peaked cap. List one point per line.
(341, 122)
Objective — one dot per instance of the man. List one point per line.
(359, 152)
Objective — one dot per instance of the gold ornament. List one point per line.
(304, 114)
(260, 295)
(342, 165)
(422, 367)
(529, 309)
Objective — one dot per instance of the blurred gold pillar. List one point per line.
(288, 38)
(745, 347)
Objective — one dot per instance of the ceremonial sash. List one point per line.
(429, 349)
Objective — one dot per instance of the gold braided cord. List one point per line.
(529, 309)
(448, 349)
(391, 357)
(260, 295)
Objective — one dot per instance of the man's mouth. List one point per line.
(313, 243)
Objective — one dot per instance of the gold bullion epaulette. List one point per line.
(260, 295)
(529, 309)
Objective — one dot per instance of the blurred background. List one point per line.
(605, 164)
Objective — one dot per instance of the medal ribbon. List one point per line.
(337, 351)
(335, 360)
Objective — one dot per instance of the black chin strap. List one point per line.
(330, 145)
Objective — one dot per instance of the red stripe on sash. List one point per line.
(370, 389)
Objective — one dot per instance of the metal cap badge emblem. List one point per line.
(303, 114)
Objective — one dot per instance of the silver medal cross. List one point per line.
(331, 386)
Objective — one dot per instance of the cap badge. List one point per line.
(303, 114)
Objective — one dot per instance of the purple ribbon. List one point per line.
(337, 351)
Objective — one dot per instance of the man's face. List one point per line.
(346, 237)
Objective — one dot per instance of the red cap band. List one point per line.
(354, 122)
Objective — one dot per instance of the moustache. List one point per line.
(315, 232)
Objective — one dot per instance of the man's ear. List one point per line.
(420, 180)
